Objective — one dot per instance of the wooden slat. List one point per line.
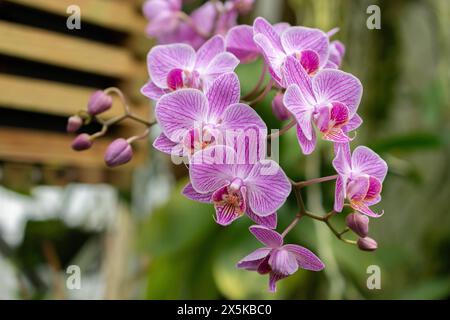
(32, 146)
(60, 50)
(51, 97)
(117, 15)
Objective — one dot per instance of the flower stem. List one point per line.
(262, 95)
(282, 130)
(258, 84)
(302, 184)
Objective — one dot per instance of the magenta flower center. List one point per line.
(196, 140)
(178, 78)
(309, 60)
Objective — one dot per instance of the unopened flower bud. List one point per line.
(119, 152)
(74, 123)
(367, 244)
(99, 102)
(82, 142)
(358, 223)
(278, 108)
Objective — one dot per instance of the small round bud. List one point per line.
(82, 142)
(358, 223)
(367, 244)
(74, 123)
(278, 108)
(99, 102)
(119, 152)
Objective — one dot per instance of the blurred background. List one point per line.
(131, 232)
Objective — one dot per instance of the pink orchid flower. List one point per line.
(360, 179)
(310, 46)
(276, 259)
(236, 186)
(176, 66)
(192, 121)
(329, 100)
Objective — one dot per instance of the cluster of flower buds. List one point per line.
(119, 151)
(169, 24)
(204, 119)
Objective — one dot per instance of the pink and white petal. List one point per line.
(208, 51)
(366, 161)
(296, 39)
(270, 238)
(305, 258)
(224, 91)
(152, 91)
(226, 213)
(338, 86)
(253, 260)
(273, 279)
(190, 193)
(267, 187)
(337, 51)
(224, 62)
(273, 56)
(269, 221)
(153, 8)
(283, 262)
(374, 190)
(242, 116)
(330, 65)
(374, 201)
(339, 194)
(262, 26)
(342, 162)
(239, 41)
(306, 145)
(164, 58)
(180, 111)
(294, 73)
(336, 135)
(164, 23)
(353, 123)
(164, 144)
(212, 168)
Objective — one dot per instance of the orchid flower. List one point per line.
(163, 16)
(308, 45)
(236, 186)
(276, 259)
(176, 66)
(329, 101)
(360, 179)
(191, 120)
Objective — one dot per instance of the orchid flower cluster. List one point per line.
(204, 120)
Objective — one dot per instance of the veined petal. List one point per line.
(261, 26)
(180, 111)
(342, 161)
(224, 92)
(280, 27)
(254, 259)
(273, 279)
(364, 160)
(353, 123)
(306, 145)
(152, 91)
(269, 221)
(305, 258)
(297, 39)
(274, 56)
(267, 187)
(164, 144)
(362, 207)
(338, 86)
(283, 262)
(224, 62)
(164, 58)
(266, 236)
(204, 17)
(374, 190)
(208, 51)
(339, 194)
(190, 193)
(294, 73)
(212, 168)
(356, 188)
(239, 41)
(337, 51)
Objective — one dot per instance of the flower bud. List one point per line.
(367, 244)
(119, 152)
(74, 123)
(99, 102)
(82, 142)
(278, 108)
(358, 223)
